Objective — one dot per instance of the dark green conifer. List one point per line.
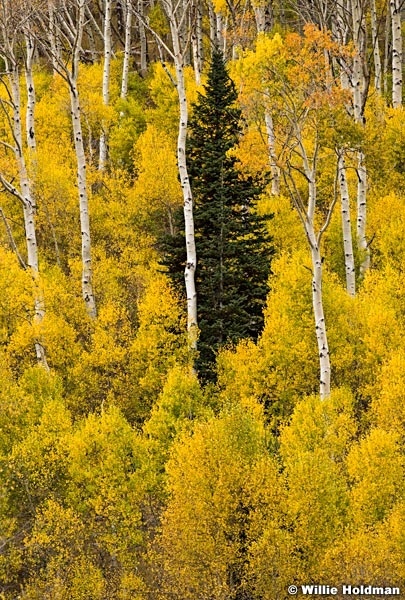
(233, 247)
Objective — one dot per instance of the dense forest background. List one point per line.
(126, 471)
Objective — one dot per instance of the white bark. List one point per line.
(142, 38)
(346, 228)
(340, 32)
(359, 87)
(359, 84)
(219, 33)
(29, 209)
(196, 40)
(74, 32)
(191, 259)
(263, 17)
(396, 53)
(213, 25)
(271, 144)
(106, 81)
(386, 50)
(376, 47)
(307, 217)
(319, 316)
(87, 287)
(362, 214)
(127, 50)
(53, 39)
(30, 120)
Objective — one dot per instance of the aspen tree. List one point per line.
(30, 119)
(196, 38)
(69, 27)
(376, 47)
(346, 226)
(106, 80)
(340, 30)
(298, 78)
(10, 32)
(263, 17)
(142, 37)
(127, 49)
(176, 16)
(395, 9)
(359, 84)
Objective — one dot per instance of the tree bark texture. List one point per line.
(395, 8)
(106, 81)
(191, 258)
(127, 49)
(346, 228)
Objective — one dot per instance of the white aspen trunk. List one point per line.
(191, 259)
(263, 17)
(127, 50)
(340, 34)
(199, 32)
(219, 32)
(142, 39)
(362, 214)
(29, 210)
(106, 81)
(196, 38)
(213, 25)
(358, 79)
(271, 144)
(319, 316)
(87, 286)
(376, 47)
(260, 18)
(87, 283)
(317, 299)
(396, 53)
(346, 228)
(386, 51)
(30, 120)
(358, 86)
(53, 42)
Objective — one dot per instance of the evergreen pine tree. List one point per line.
(233, 247)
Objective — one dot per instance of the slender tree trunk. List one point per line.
(29, 210)
(346, 228)
(362, 214)
(87, 285)
(307, 218)
(213, 25)
(263, 17)
(53, 38)
(387, 48)
(340, 34)
(127, 49)
(396, 53)
(359, 86)
(142, 39)
(87, 282)
(106, 82)
(376, 47)
(196, 39)
(30, 120)
(320, 325)
(191, 260)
